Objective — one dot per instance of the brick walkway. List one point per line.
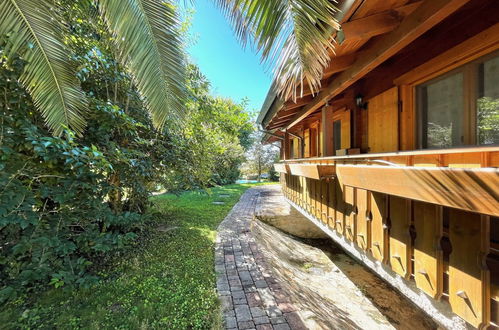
(251, 297)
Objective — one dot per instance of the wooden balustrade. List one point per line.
(450, 251)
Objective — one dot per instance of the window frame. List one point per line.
(470, 71)
(344, 115)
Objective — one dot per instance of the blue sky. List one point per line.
(232, 71)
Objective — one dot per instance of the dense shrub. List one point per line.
(53, 213)
(65, 201)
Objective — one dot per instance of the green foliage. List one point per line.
(273, 175)
(52, 210)
(149, 44)
(439, 136)
(68, 201)
(49, 74)
(217, 132)
(488, 120)
(293, 36)
(260, 158)
(165, 282)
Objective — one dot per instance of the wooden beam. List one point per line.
(312, 171)
(469, 189)
(290, 105)
(373, 25)
(307, 91)
(426, 16)
(338, 64)
(352, 10)
(282, 118)
(283, 121)
(483, 43)
(277, 124)
(281, 168)
(287, 114)
(306, 100)
(370, 26)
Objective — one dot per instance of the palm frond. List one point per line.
(293, 36)
(148, 41)
(237, 19)
(49, 75)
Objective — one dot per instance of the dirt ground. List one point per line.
(331, 289)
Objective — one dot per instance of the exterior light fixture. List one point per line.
(359, 101)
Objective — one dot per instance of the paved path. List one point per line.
(251, 297)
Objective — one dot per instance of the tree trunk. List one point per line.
(115, 196)
(259, 168)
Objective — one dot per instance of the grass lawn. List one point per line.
(165, 282)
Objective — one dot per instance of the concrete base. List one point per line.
(273, 209)
(438, 311)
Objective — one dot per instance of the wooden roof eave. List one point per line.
(360, 29)
(273, 103)
(412, 26)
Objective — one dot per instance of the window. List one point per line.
(306, 143)
(337, 134)
(488, 102)
(341, 131)
(461, 107)
(442, 112)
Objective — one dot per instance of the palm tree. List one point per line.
(293, 36)
(147, 39)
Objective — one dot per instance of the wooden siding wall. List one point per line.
(439, 50)
(450, 254)
(383, 122)
(414, 239)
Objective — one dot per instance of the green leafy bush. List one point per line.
(53, 214)
(67, 201)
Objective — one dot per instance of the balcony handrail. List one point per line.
(471, 149)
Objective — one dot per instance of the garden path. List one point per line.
(251, 296)
(268, 279)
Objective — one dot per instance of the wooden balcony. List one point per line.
(313, 171)
(281, 168)
(464, 178)
(427, 215)
(472, 189)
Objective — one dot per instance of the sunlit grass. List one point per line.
(165, 282)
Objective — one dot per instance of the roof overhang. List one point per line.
(273, 103)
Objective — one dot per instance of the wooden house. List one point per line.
(397, 156)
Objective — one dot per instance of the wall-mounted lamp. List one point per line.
(359, 101)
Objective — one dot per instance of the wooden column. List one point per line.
(312, 186)
(318, 199)
(286, 146)
(363, 219)
(331, 205)
(469, 277)
(378, 226)
(325, 132)
(428, 254)
(350, 212)
(340, 209)
(400, 238)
